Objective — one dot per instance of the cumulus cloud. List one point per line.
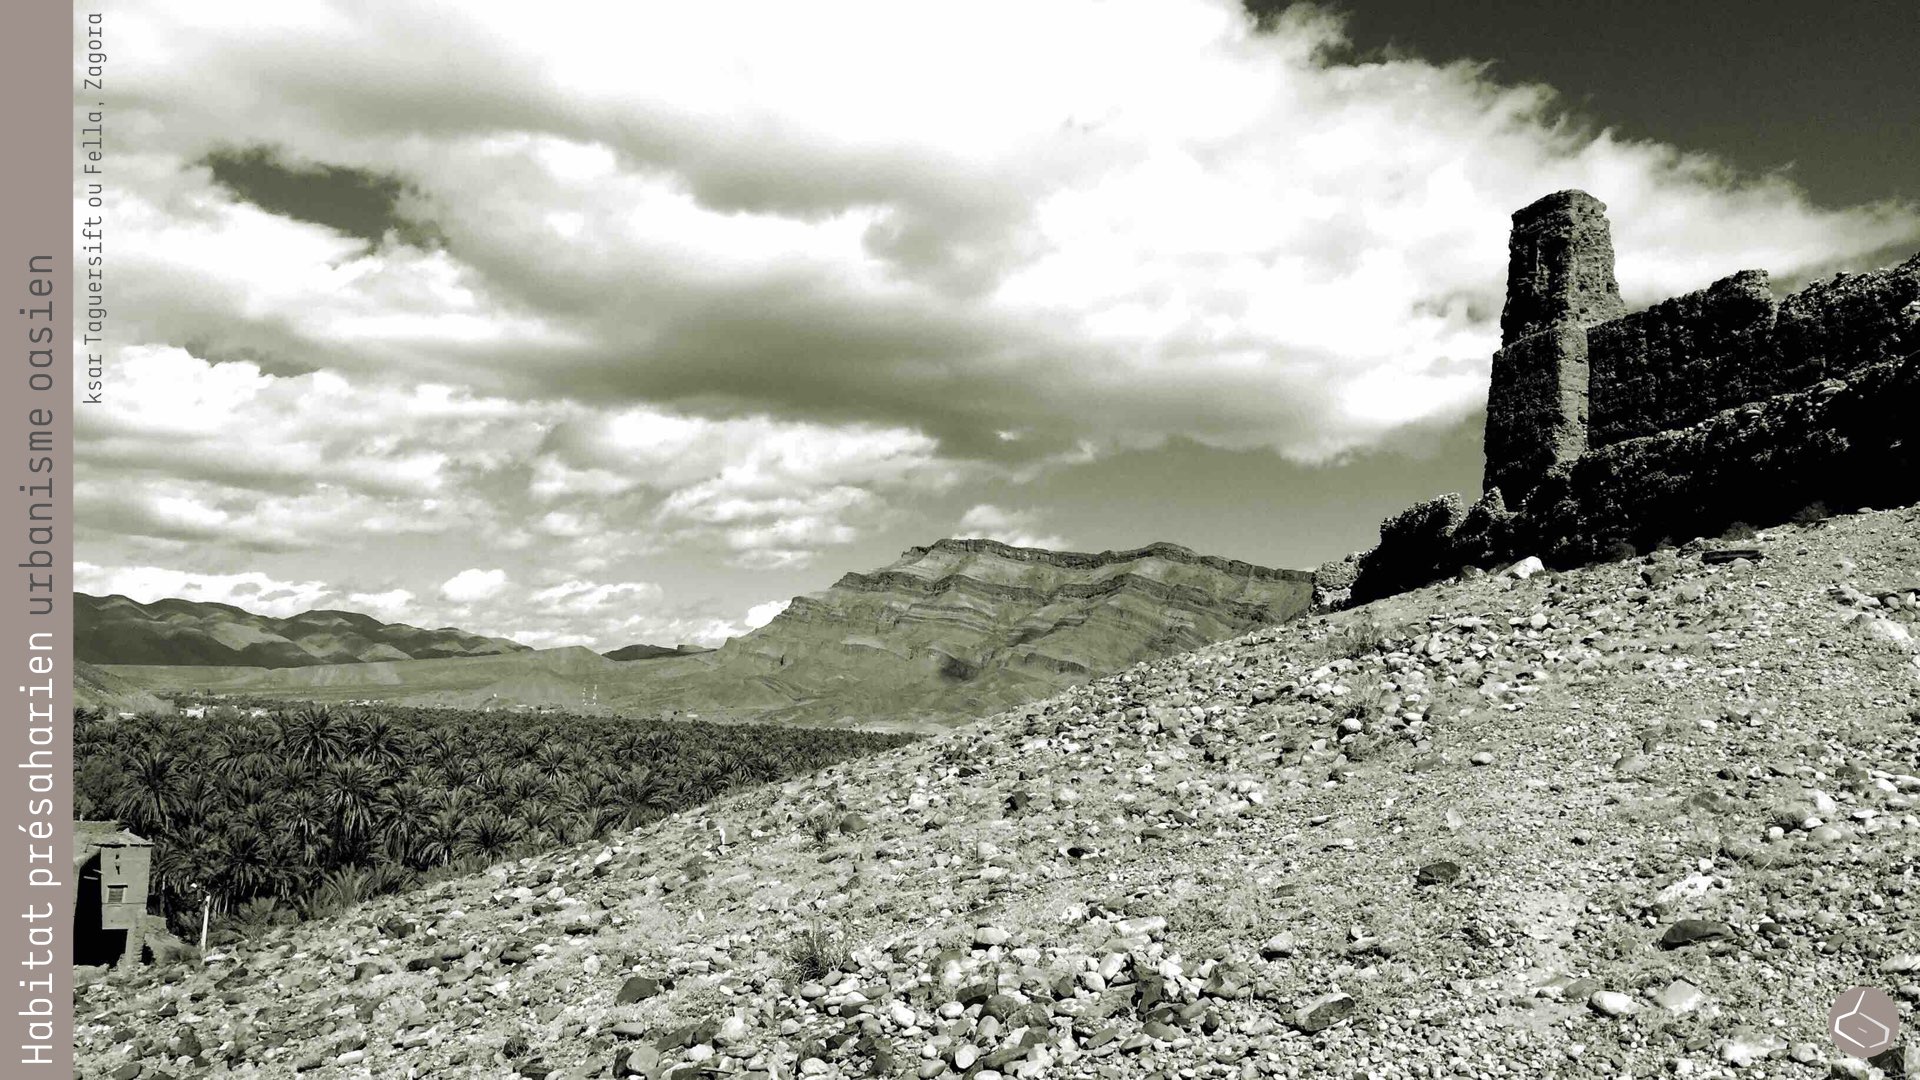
(187, 448)
(473, 584)
(254, 591)
(1021, 528)
(767, 492)
(600, 615)
(584, 596)
(760, 615)
(391, 604)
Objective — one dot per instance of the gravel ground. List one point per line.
(1644, 819)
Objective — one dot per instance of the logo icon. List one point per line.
(1863, 1021)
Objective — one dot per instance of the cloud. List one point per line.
(767, 492)
(394, 604)
(188, 448)
(1021, 528)
(600, 615)
(580, 597)
(1152, 222)
(576, 611)
(254, 591)
(760, 615)
(353, 201)
(474, 584)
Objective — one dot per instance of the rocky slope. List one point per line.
(1648, 818)
(116, 630)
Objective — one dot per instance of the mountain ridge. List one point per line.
(1078, 559)
(116, 629)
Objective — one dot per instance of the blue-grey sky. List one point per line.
(602, 323)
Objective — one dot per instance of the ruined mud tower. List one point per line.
(1559, 284)
(1575, 373)
(1610, 432)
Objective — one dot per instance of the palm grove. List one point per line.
(280, 811)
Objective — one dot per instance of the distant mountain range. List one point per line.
(117, 630)
(953, 630)
(651, 652)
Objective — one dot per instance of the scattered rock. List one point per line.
(1323, 1012)
(637, 988)
(1680, 996)
(1612, 1003)
(1693, 932)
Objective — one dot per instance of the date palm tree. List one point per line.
(148, 793)
(553, 761)
(243, 864)
(351, 789)
(381, 742)
(487, 835)
(403, 813)
(320, 806)
(304, 820)
(315, 736)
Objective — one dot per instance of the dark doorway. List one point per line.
(91, 944)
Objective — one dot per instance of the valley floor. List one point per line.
(1644, 819)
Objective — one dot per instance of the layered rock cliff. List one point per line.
(962, 626)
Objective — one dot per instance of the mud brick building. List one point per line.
(111, 868)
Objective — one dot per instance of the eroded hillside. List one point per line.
(1647, 818)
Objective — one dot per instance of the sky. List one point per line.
(607, 323)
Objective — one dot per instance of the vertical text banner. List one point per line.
(39, 79)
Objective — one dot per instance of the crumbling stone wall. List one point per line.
(1682, 359)
(1833, 329)
(1333, 582)
(1414, 548)
(1846, 443)
(1608, 431)
(1574, 372)
(1559, 266)
(1536, 407)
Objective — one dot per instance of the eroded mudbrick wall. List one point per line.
(1559, 283)
(1835, 329)
(1574, 373)
(1609, 432)
(1683, 360)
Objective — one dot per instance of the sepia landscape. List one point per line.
(1143, 705)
